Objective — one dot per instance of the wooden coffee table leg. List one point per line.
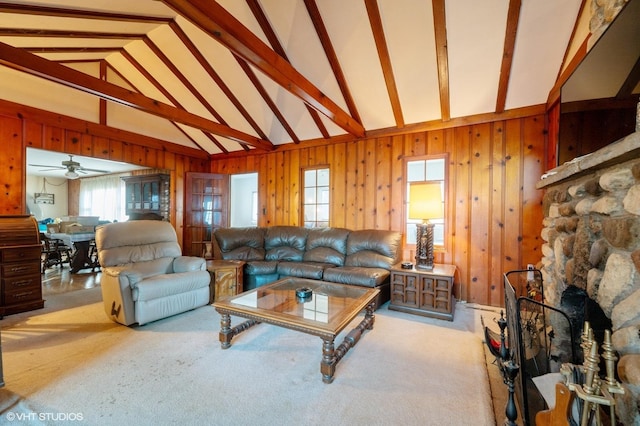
(331, 356)
(369, 317)
(328, 364)
(226, 333)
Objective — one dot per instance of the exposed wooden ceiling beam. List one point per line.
(192, 89)
(214, 20)
(151, 79)
(178, 127)
(267, 99)
(630, 82)
(442, 57)
(25, 32)
(385, 60)
(71, 49)
(554, 93)
(27, 9)
(188, 43)
(263, 21)
(325, 40)
(102, 104)
(564, 73)
(64, 121)
(32, 64)
(184, 80)
(513, 16)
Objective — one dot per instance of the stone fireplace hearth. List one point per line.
(591, 234)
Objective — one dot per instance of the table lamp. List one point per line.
(425, 203)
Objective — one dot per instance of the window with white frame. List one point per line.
(315, 208)
(423, 170)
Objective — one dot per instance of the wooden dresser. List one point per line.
(21, 282)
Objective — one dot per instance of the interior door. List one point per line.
(206, 209)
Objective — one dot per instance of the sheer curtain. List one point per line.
(103, 196)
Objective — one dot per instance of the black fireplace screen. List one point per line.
(540, 338)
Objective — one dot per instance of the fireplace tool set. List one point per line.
(584, 392)
(528, 347)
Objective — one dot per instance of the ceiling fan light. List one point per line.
(71, 174)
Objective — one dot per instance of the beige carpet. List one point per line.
(74, 364)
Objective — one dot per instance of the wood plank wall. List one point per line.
(494, 211)
(22, 127)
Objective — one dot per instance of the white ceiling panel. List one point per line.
(538, 54)
(76, 33)
(350, 33)
(475, 40)
(409, 34)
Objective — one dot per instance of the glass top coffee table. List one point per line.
(325, 312)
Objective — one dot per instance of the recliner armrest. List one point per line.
(126, 276)
(189, 263)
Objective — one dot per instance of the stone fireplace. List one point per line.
(591, 234)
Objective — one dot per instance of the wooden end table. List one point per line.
(226, 278)
(421, 292)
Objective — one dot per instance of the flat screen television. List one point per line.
(599, 101)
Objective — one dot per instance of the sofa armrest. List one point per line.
(189, 263)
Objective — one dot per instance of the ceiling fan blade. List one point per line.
(91, 170)
(48, 166)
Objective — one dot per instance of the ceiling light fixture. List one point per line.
(71, 174)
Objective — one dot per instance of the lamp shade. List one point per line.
(425, 200)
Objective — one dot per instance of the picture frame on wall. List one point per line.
(43, 198)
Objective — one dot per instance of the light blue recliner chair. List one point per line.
(144, 275)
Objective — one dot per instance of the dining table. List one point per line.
(80, 242)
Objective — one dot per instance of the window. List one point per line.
(429, 169)
(103, 196)
(315, 209)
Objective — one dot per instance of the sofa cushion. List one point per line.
(367, 277)
(372, 248)
(326, 245)
(285, 243)
(170, 284)
(260, 267)
(241, 243)
(302, 269)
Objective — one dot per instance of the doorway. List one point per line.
(243, 193)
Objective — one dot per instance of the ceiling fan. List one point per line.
(72, 167)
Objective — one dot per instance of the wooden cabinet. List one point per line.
(226, 278)
(427, 293)
(21, 282)
(147, 195)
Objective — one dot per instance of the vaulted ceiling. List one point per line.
(237, 75)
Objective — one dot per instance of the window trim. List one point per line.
(302, 194)
(440, 248)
